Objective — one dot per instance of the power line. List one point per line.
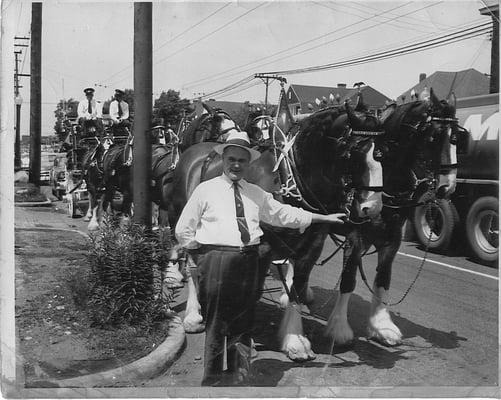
(192, 83)
(420, 46)
(230, 87)
(172, 39)
(205, 36)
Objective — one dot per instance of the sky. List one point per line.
(199, 48)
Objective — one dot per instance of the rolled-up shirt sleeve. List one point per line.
(277, 214)
(189, 220)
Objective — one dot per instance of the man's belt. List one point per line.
(237, 249)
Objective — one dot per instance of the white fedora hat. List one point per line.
(238, 139)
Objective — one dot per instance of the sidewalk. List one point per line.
(55, 218)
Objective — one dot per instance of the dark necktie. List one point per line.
(89, 107)
(120, 112)
(242, 223)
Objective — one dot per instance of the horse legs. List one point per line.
(381, 327)
(88, 215)
(94, 206)
(338, 328)
(294, 343)
(193, 321)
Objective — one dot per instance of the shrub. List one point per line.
(124, 273)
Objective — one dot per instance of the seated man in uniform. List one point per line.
(119, 114)
(89, 115)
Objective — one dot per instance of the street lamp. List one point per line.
(18, 100)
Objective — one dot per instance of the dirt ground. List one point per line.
(56, 337)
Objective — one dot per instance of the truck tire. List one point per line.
(482, 229)
(441, 218)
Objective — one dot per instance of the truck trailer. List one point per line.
(472, 211)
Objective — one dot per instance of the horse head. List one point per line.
(259, 128)
(335, 151)
(221, 124)
(420, 146)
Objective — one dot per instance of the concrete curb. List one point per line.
(147, 367)
(46, 203)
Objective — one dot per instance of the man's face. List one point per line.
(89, 96)
(236, 161)
(118, 97)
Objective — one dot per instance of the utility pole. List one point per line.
(266, 79)
(36, 93)
(141, 167)
(18, 100)
(492, 9)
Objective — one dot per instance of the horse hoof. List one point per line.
(93, 227)
(391, 340)
(86, 218)
(193, 328)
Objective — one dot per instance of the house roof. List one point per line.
(307, 94)
(466, 83)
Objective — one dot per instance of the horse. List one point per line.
(334, 170)
(418, 156)
(211, 126)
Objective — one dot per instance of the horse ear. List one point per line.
(360, 103)
(433, 98)
(452, 100)
(354, 120)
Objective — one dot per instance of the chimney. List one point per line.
(212, 99)
(341, 85)
(422, 77)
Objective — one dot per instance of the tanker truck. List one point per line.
(472, 212)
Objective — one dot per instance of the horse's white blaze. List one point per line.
(338, 327)
(381, 327)
(226, 125)
(372, 202)
(448, 156)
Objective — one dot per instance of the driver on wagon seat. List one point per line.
(89, 115)
(119, 113)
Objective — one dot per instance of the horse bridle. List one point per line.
(421, 127)
(296, 187)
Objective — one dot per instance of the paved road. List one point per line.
(449, 322)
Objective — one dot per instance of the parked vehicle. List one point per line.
(474, 208)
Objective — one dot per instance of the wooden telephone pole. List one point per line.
(36, 94)
(141, 168)
(266, 79)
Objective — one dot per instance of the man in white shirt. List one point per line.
(221, 220)
(119, 112)
(89, 114)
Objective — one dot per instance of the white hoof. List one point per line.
(93, 226)
(297, 348)
(87, 218)
(173, 278)
(382, 329)
(339, 330)
(193, 323)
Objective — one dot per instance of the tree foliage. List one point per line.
(64, 110)
(170, 107)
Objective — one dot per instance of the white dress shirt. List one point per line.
(209, 216)
(83, 109)
(114, 111)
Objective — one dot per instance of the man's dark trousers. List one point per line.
(228, 281)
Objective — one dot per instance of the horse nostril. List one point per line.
(365, 210)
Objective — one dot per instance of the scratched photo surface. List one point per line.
(356, 257)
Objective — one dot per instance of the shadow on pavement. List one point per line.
(270, 371)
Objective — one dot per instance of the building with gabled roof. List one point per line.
(466, 83)
(302, 99)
